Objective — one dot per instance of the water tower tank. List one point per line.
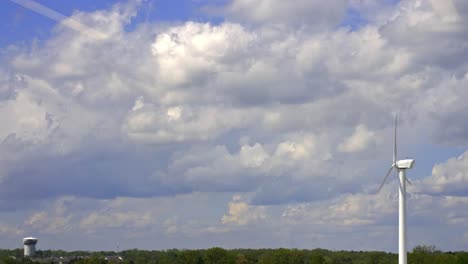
(29, 246)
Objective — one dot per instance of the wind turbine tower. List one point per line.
(401, 166)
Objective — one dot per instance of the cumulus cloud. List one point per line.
(56, 220)
(347, 210)
(299, 13)
(443, 105)
(265, 168)
(374, 217)
(194, 89)
(448, 178)
(446, 10)
(277, 102)
(241, 213)
(361, 139)
(195, 51)
(148, 124)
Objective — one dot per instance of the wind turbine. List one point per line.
(401, 166)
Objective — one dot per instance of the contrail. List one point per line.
(54, 15)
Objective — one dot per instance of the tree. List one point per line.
(422, 254)
(191, 257)
(462, 258)
(9, 260)
(283, 256)
(317, 259)
(217, 255)
(241, 259)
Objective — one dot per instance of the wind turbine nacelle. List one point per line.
(405, 164)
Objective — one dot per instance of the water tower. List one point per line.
(29, 246)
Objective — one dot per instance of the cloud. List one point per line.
(374, 217)
(148, 124)
(274, 103)
(361, 139)
(240, 213)
(55, 220)
(25, 118)
(97, 220)
(418, 22)
(182, 96)
(10, 231)
(446, 10)
(443, 104)
(263, 168)
(300, 13)
(371, 210)
(348, 210)
(47, 12)
(194, 51)
(448, 178)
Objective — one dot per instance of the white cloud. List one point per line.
(360, 140)
(25, 119)
(313, 13)
(252, 156)
(276, 103)
(194, 51)
(10, 231)
(57, 220)
(180, 123)
(193, 86)
(346, 210)
(446, 10)
(241, 213)
(129, 213)
(443, 105)
(371, 210)
(448, 178)
(96, 220)
(302, 157)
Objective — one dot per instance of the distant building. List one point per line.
(59, 260)
(29, 246)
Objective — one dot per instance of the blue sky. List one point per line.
(22, 25)
(189, 124)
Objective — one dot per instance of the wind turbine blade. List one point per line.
(386, 176)
(395, 141)
(408, 181)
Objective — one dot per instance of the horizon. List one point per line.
(433, 247)
(174, 124)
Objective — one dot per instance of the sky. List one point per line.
(236, 123)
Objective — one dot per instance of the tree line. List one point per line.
(216, 255)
